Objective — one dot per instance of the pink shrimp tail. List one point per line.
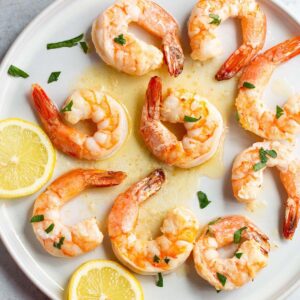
(284, 51)
(173, 54)
(98, 178)
(45, 107)
(154, 96)
(238, 60)
(291, 218)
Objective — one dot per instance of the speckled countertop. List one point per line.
(14, 16)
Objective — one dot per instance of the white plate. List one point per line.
(67, 18)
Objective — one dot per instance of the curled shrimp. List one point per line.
(250, 257)
(124, 51)
(202, 121)
(150, 257)
(247, 177)
(204, 21)
(59, 239)
(253, 114)
(109, 116)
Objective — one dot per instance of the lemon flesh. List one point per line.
(104, 280)
(27, 158)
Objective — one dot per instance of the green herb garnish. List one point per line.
(238, 234)
(68, 107)
(258, 166)
(68, 43)
(222, 278)
(120, 40)
(160, 281)
(37, 218)
(53, 77)
(279, 112)
(248, 85)
(167, 260)
(191, 119)
(203, 200)
(214, 221)
(50, 228)
(156, 259)
(263, 156)
(238, 255)
(60, 243)
(215, 19)
(84, 46)
(16, 72)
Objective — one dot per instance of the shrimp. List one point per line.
(124, 51)
(204, 21)
(202, 121)
(68, 241)
(150, 257)
(110, 117)
(250, 257)
(253, 114)
(247, 177)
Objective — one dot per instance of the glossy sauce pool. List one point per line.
(135, 159)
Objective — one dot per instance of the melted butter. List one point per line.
(135, 159)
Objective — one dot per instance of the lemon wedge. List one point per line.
(27, 158)
(104, 280)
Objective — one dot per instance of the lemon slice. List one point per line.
(27, 158)
(104, 280)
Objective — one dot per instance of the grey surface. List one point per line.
(14, 16)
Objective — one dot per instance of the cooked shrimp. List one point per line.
(247, 177)
(109, 116)
(253, 114)
(204, 21)
(150, 257)
(250, 257)
(124, 51)
(202, 121)
(59, 239)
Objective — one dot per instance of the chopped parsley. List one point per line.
(248, 85)
(68, 107)
(222, 278)
(120, 39)
(16, 72)
(215, 19)
(191, 119)
(84, 46)
(68, 43)
(53, 76)
(60, 243)
(203, 200)
(167, 260)
(263, 156)
(160, 281)
(37, 218)
(214, 221)
(156, 259)
(50, 228)
(238, 235)
(279, 112)
(238, 255)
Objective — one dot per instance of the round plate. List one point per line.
(68, 18)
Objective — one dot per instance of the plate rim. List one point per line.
(3, 68)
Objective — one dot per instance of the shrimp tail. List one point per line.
(154, 97)
(284, 51)
(239, 59)
(149, 185)
(291, 218)
(44, 106)
(173, 54)
(97, 178)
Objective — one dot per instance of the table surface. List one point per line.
(14, 16)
